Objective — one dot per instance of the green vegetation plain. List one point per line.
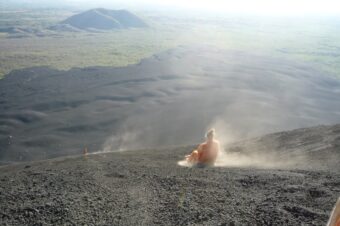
(314, 39)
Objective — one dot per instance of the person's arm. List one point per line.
(200, 151)
(200, 148)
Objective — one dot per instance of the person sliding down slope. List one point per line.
(206, 153)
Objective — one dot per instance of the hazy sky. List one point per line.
(246, 6)
(265, 7)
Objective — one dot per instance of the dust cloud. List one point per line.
(245, 152)
(241, 95)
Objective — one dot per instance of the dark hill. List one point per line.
(18, 32)
(104, 19)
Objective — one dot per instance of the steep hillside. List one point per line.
(305, 148)
(149, 187)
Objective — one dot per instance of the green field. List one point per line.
(312, 40)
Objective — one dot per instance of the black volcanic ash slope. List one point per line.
(171, 97)
(104, 19)
(304, 148)
(147, 187)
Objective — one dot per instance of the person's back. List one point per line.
(209, 152)
(206, 152)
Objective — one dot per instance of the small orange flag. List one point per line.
(85, 152)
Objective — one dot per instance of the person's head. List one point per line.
(210, 134)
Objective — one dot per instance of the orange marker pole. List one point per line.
(85, 152)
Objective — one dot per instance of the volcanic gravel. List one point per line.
(148, 187)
